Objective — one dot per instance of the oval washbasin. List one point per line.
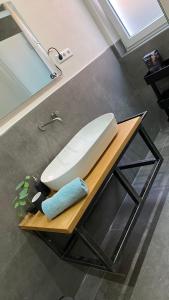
(82, 152)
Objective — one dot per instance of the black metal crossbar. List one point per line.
(137, 164)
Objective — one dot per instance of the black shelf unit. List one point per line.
(152, 78)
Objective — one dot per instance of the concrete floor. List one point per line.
(145, 262)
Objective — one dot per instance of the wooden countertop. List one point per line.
(67, 221)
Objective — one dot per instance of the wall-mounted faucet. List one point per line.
(54, 117)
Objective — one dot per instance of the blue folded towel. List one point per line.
(64, 198)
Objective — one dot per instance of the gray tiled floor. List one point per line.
(146, 258)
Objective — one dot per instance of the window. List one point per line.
(136, 20)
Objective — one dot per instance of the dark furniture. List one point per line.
(152, 78)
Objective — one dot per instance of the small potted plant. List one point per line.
(22, 201)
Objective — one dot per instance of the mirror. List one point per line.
(25, 67)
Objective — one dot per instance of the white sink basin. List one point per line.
(82, 152)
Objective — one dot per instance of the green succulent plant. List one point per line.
(22, 200)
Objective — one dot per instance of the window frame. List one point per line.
(132, 42)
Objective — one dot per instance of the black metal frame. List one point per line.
(104, 262)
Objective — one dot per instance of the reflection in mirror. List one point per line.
(25, 67)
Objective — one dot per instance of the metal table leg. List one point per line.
(94, 247)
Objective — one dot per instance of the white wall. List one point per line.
(62, 24)
(165, 6)
(105, 26)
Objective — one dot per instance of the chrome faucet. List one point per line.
(54, 117)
